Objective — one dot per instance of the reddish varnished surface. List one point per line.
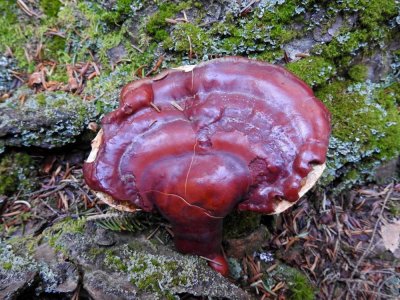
(246, 137)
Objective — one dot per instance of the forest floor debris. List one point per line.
(339, 244)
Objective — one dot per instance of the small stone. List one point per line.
(16, 286)
(117, 54)
(103, 286)
(104, 237)
(68, 276)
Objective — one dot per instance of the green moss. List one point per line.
(269, 56)
(199, 40)
(394, 209)
(313, 70)
(59, 75)
(115, 262)
(41, 99)
(169, 296)
(365, 130)
(7, 266)
(301, 289)
(54, 46)
(23, 35)
(374, 111)
(50, 7)
(155, 272)
(23, 245)
(95, 251)
(282, 35)
(156, 24)
(347, 42)
(374, 13)
(15, 262)
(262, 31)
(147, 272)
(121, 10)
(107, 42)
(68, 225)
(371, 32)
(17, 173)
(15, 34)
(8, 11)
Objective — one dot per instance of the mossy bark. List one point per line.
(133, 267)
(347, 51)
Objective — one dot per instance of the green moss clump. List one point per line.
(373, 110)
(199, 40)
(95, 251)
(14, 34)
(269, 56)
(358, 73)
(7, 266)
(156, 24)
(115, 262)
(68, 225)
(50, 7)
(374, 13)
(372, 29)
(55, 45)
(156, 272)
(121, 10)
(300, 288)
(23, 245)
(17, 173)
(365, 130)
(262, 31)
(8, 11)
(394, 209)
(313, 70)
(41, 99)
(348, 42)
(147, 272)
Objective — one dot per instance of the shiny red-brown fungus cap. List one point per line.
(195, 144)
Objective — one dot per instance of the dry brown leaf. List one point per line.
(35, 78)
(72, 82)
(390, 233)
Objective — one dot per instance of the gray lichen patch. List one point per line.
(17, 272)
(167, 272)
(355, 151)
(7, 65)
(149, 268)
(10, 261)
(44, 120)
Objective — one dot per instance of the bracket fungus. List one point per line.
(196, 142)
